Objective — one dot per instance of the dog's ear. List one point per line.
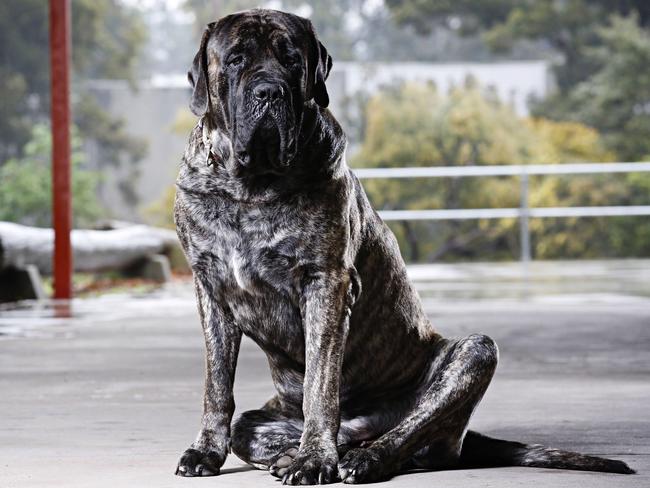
(321, 97)
(319, 65)
(198, 77)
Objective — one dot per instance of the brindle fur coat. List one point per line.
(286, 249)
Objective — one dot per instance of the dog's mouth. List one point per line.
(265, 142)
(269, 149)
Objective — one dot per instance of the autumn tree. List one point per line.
(417, 125)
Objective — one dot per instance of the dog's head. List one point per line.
(253, 74)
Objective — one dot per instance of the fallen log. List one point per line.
(93, 250)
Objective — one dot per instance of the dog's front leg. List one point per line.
(222, 339)
(325, 308)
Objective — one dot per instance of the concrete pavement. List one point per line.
(112, 396)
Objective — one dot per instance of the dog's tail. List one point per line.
(480, 451)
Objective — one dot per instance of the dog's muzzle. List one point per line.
(265, 141)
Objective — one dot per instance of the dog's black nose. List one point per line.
(268, 91)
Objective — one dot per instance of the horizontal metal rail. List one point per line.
(505, 213)
(524, 212)
(501, 170)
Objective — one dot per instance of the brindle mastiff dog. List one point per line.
(286, 249)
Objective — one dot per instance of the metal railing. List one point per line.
(523, 212)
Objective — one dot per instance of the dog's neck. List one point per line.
(320, 158)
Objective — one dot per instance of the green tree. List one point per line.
(602, 56)
(569, 27)
(362, 30)
(26, 183)
(106, 39)
(615, 99)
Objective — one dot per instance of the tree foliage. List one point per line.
(602, 56)
(26, 184)
(417, 125)
(615, 99)
(568, 26)
(364, 30)
(106, 39)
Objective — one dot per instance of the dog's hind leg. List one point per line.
(267, 438)
(432, 431)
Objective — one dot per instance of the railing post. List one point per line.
(524, 214)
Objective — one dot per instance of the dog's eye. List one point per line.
(235, 61)
(292, 61)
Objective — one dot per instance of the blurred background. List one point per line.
(505, 142)
(414, 84)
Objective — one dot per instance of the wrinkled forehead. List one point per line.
(254, 29)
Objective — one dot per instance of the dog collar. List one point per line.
(210, 157)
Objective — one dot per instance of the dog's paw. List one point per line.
(306, 467)
(280, 463)
(364, 465)
(198, 463)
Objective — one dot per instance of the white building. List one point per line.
(514, 82)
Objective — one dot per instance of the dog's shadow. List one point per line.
(238, 469)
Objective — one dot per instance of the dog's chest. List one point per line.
(254, 252)
(255, 258)
(259, 260)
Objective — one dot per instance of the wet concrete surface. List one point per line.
(112, 395)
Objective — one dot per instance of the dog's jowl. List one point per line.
(286, 249)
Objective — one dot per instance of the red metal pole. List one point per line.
(61, 194)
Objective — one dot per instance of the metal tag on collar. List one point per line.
(210, 159)
(207, 142)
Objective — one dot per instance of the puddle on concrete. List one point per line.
(563, 283)
(40, 318)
